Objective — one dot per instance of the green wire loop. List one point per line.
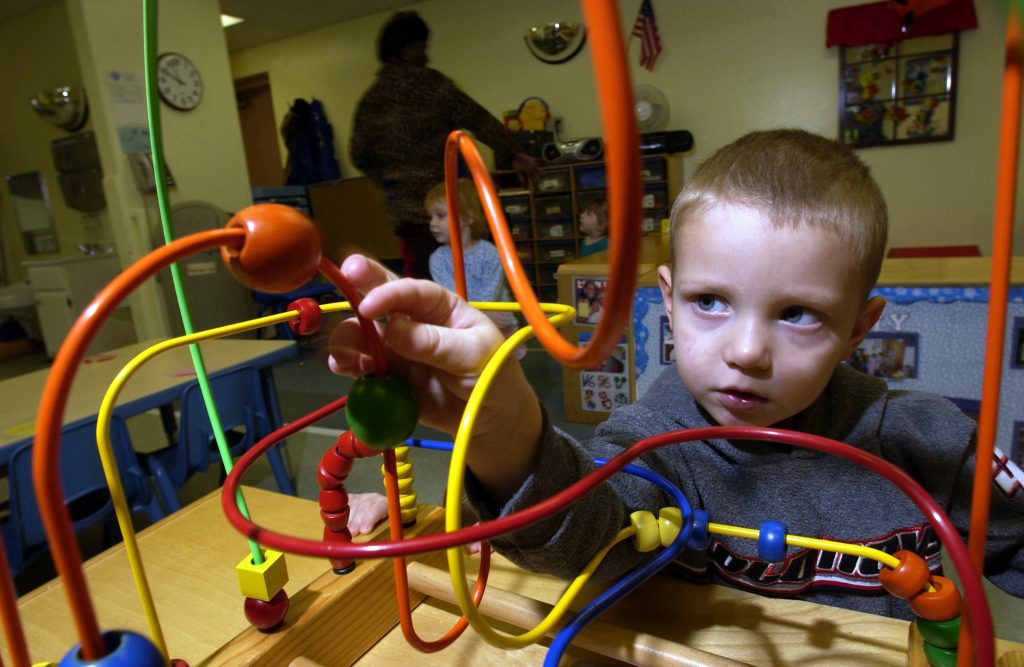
(149, 47)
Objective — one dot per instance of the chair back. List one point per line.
(242, 411)
(86, 494)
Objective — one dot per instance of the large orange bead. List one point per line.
(942, 604)
(908, 579)
(281, 252)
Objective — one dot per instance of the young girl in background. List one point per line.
(485, 280)
(594, 227)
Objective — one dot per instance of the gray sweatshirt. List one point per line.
(743, 483)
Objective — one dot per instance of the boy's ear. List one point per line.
(665, 285)
(869, 315)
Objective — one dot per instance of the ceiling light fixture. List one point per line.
(226, 20)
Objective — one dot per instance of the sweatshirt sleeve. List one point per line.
(563, 543)
(936, 444)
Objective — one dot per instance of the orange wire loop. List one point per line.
(46, 452)
(623, 172)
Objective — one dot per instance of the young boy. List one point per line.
(594, 227)
(777, 242)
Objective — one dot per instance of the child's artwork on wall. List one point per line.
(606, 385)
(1017, 446)
(898, 93)
(589, 299)
(887, 354)
(668, 345)
(1017, 351)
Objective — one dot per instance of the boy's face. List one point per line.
(590, 225)
(439, 222)
(760, 316)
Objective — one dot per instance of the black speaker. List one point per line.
(673, 141)
(580, 150)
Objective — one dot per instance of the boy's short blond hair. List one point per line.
(471, 214)
(794, 178)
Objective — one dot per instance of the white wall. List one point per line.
(24, 136)
(203, 147)
(727, 68)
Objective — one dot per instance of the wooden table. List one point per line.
(156, 383)
(190, 557)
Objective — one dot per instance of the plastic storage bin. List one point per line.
(553, 207)
(556, 229)
(553, 180)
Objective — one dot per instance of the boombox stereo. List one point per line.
(580, 150)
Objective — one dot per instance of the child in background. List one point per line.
(777, 242)
(485, 280)
(594, 227)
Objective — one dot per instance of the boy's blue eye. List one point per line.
(709, 303)
(798, 315)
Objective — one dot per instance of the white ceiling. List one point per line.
(265, 20)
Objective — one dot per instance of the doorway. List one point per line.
(259, 131)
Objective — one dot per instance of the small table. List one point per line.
(156, 383)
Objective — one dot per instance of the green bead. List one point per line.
(382, 411)
(939, 657)
(942, 634)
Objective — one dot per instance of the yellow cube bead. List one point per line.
(263, 581)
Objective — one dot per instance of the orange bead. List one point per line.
(281, 252)
(908, 579)
(942, 604)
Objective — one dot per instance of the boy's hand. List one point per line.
(440, 344)
(365, 511)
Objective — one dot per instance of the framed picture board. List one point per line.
(898, 93)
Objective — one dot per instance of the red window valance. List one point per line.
(879, 22)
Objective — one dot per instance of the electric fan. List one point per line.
(651, 109)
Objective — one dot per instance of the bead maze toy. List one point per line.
(275, 249)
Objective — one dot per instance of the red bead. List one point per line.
(281, 252)
(340, 565)
(334, 501)
(266, 615)
(336, 464)
(348, 446)
(178, 662)
(908, 578)
(326, 480)
(335, 521)
(310, 318)
(942, 604)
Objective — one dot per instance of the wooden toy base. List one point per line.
(352, 619)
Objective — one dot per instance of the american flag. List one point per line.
(647, 30)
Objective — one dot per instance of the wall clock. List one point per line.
(178, 81)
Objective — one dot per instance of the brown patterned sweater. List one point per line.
(400, 129)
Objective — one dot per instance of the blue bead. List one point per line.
(771, 542)
(124, 649)
(699, 535)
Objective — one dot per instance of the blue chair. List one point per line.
(246, 419)
(85, 488)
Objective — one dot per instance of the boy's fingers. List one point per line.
(365, 273)
(452, 350)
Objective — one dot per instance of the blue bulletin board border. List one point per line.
(905, 295)
(642, 301)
